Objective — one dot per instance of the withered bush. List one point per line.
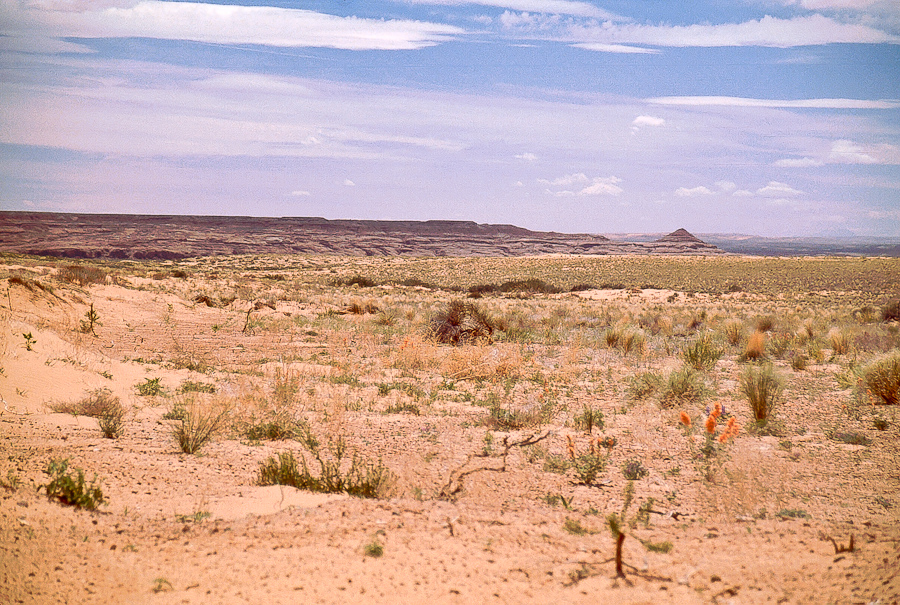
(461, 323)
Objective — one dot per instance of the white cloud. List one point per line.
(586, 186)
(692, 192)
(528, 157)
(742, 193)
(300, 193)
(229, 24)
(767, 31)
(799, 163)
(849, 152)
(884, 214)
(349, 183)
(836, 4)
(726, 185)
(777, 190)
(648, 121)
(776, 103)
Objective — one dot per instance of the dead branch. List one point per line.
(455, 482)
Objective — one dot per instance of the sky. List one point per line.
(762, 117)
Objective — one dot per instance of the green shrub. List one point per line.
(851, 438)
(362, 479)
(72, 489)
(587, 466)
(882, 378)
(150, 387)
(683, 385)
(589, 419)
(762, 387)
(189, 386)
(634, 470)
(703, 353)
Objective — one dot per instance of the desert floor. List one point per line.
(485, 444)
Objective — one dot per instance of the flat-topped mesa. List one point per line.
(174, 237)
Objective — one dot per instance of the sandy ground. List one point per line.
(499, 540)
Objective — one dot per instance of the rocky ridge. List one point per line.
(173, 237)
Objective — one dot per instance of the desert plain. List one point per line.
(496, 469)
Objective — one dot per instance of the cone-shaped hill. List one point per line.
(681, 236)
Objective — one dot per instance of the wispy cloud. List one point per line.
(228, 24)
(777, 103)
(556, 7)
(617, 48)
(799, 163)
(771, 31)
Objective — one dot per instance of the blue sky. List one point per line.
(766, 117)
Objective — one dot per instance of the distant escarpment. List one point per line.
(126, 236)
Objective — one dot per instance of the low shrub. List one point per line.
(633, 470)
(71, 488)
(703, 353)
(882, 378)
(682, 385)
(891, 310)
(644, 385)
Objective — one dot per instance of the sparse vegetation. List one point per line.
(682, 386)
(150, 387)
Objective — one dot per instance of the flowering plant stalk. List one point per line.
(710, 452)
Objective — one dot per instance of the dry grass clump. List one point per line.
(733, 329)
(882, 378)
(483, 363)
(462, 322)
(414, 354)
(194, 421)
(82, 275)
(840, 340)
(756, 347)
(762, 387)
(101, 404)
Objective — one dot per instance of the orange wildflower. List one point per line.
(717, 410)
(685, 419)
(711, 424)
